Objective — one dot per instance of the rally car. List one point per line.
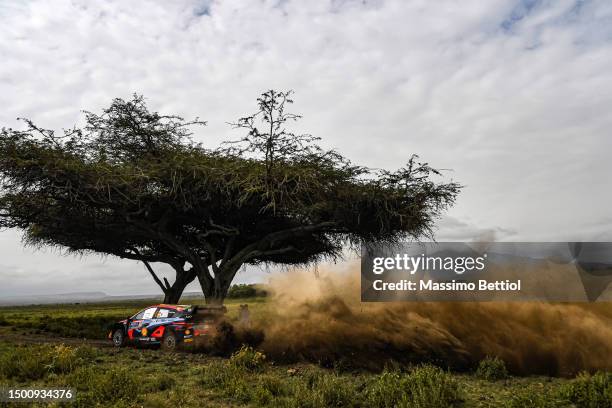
(167, 325)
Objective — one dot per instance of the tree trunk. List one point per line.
(215, 291)
(217, 295)
(172, 294)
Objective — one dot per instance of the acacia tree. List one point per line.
(272, 197)
(48, 218)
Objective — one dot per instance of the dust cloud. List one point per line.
(321, 319)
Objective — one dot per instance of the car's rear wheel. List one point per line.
(169, 342)
(118, 338)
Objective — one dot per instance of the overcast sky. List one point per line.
(514, 96)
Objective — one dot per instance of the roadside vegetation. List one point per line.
(130, 377)
(492, 369)
(133, 378)
(241, 291)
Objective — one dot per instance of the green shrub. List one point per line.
(248, 358)
(82, 378)
(385, 390)
(23, 364)
(36, 362)
(334, 391)
(268, 388)
(424, 387)
(238, 385)
(114, 385)
(430, 386)
(319, 389)
(105, 387)
(590, 391)
(492, 369)
(272, 384)
(242, 385)
(63, 359)
(228, 379)
(242, 291)
(87, 353)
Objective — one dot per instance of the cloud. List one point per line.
(512, 95)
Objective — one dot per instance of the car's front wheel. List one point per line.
(169, 342)
(118, 338)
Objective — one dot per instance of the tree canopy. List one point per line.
(132, 183)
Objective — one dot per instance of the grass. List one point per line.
(492, 369)
(425, 386)
(590, 391)
(34, 362)
(104, 376)
(134, 378)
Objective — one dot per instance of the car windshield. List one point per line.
(145, 314)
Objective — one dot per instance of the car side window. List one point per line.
(163, 313)
(148, 313)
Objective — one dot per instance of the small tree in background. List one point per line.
(132, 183)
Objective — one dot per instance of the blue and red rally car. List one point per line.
(167, 325)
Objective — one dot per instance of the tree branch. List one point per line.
(137, 256)
(279, 251)
(197, 261)
(161, 285)
(229, 247)
(251, 251)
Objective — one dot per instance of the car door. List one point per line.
(147, 320)
(141, 321)
(162, 317)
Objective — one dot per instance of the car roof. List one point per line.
(175, 307)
